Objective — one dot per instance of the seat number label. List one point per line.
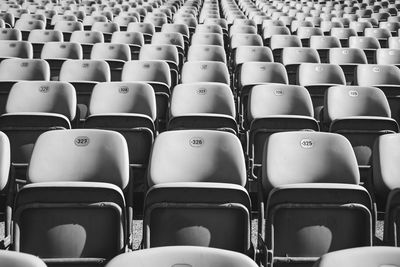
(82, 141)
(306, 143)
(196, 142)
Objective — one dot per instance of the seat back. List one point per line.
(17, 259)
(205, 71)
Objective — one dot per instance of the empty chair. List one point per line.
(147, 29)
(180, 28)
(200, 38)
(39, 37)
(308, 178)
(67, 27)
(123, 21)
(323, 44)
(348, 59)
(292, 57)
(268, 32)
(366, 256)
(388, 56)
(55, 53)
(18, 49)
(274, 108)
(202, 105)
(317, 78)
(343, 34)
(25, 26)
(75, 199)
(158, 75)
(206, 53)
(394, 42)
(88, 21)
(6, 187)
(165, 52)
(114, 54)
(86, 39)
(278, 42)
(184, 165)
(360, 26)
(368, 44)
(32, 108)
(63, 17)
(205, 71)
(379, 33)
(361, 114)
(84, 75)
(106, 28)
(130, 109)
(305, 33)
(10, 34)
(13, 70)
(171, 38)
(385, 77)
(135, 41)
(188, 255)
(18, 259)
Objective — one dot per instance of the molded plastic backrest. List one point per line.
(280, 41)
(18, 259)
(43, 36)
(206, 53)
(362, 256)
(127, 38)
(68, 26)
(105, 27)
(176, 27)
(24, 69)
(194, 98)
(197, 156)
(85, 70)
(123, 97)
(20, 49)
(80, 155)
(324, 42)
(240, 39)
(295, 55)
(347, 101)
(10, 34)
(183, 255)
(308, 157)
(388, 56)
(343, 33)
(200, 38)
(143, 27)
(205, 71)
(253, 53)
(147, 70)
(87, 37)
(5, 161)
(28, 24)
(371, 74)
(314, 73)
(61, 50)
(263, 72)
(279, 99)
(209, 28)
(364, 42)
(159, 52)
(347, 56)
(111, 51)
(173, 38)
(41, 96)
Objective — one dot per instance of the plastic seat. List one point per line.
(305, 33)
(299, 201)
(5, 186)
(379, 33)
(366, 256)
(32, 108)
(317, 78)
(278, 42)
(156, 73)
(323, 44)
(368, 44)
(18, 49)
(394, 42)
(171, 38)
(135, 40)
(67, 27)
(130, 109)
(388, 56)
(205, 71)
(13, 70)
(206, 53)
(89, 20)
(361, 114)
(184, 165)
(292, 57)
(84, 75)
(39, 37)
(343, 34)
(123, 21)
(275, 108)
(106, 28)
(200, 38)
(87, 39)
(76, 184)
(202, 105)
(188, 255)
(25, 26)
(18, 259)
(114, 54)
(10, 34)
(147, 29)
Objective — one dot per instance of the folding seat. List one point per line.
(200, 38)
(157, 19)
(8, 18)
(18, 49)
(26, 26)
(13, 70)
(304, 33)
(79, 14)
(84, 75)
(32, 108)
(157, 74)
(10, 34)
(292, 57)
(17, 11)
(29, 16)
(392, 27)
(17, 259)
(39, 37)
(135, 40)
(209, 28)
(278, 42)
(326, 26)
(205, 71)
(388, 56)
(348, 59)
(323, 44)
(106, 28)
(62, 17)
(202, 105)
(268, 32)
(385, 77)
(394, 42)
(206, 53)
(189, 21)
(147, 29)
(5, 187)
(359, 27)
(361, 114)
(197, 180)
(130, 109)
(108, 14)
(317, 78)
(171, 38)
(379, 33)
(88, 21)
(167, 53)
(310, 208)
(114, 54)
(123, 21)
(180, 28)
(274, 108)
(87, 39)
(67, 27)
(73, 210)
(187, 255)
(343, 34)
(365, 256)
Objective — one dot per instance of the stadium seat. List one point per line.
(365, 256)
(299, 203)
(278, 42)
(182, 255)
(67, 27)
(202, 105)
(5, 186)
(73, 209)
(135, 40)
(10, 34)
(86, 39)
(388, 56)
(197, 181)
(27, 25)
(205, 71)
(343, 34)
(12, 48)
(200, 38)
(106, 28)
(323, 44)
(292, 57)
(18, 259)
